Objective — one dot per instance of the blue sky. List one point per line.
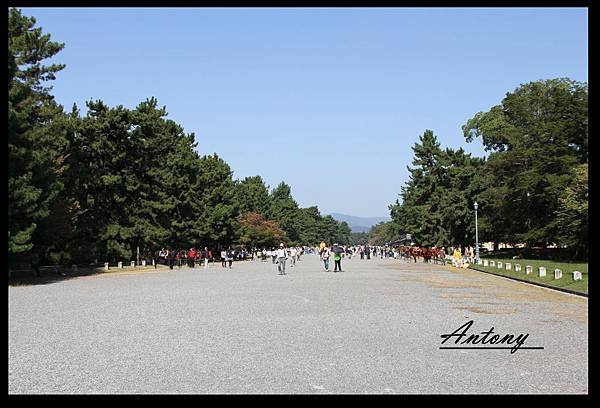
(329, 100)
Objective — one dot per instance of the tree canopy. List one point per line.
(532, 187)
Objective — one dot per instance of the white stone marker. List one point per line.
(517, 268)
(133, 264)
(577, 276)
(485, 262)
(528, 269)
(499, 265)
(541, 271)
(508, 267)
(120, 264)
(557, 274)
(144, 262)
(492, 263)
(153, 263)
(106, 266)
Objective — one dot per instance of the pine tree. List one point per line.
(218, 207)
(35, 147)
(253, 195)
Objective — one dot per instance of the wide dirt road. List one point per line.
(374, 328)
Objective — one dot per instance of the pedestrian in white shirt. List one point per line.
(293, 254)
(281, 258)
(325, 253)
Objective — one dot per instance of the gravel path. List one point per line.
(373, 329)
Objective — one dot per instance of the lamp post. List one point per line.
(476, 235)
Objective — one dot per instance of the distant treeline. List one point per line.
(97, 187)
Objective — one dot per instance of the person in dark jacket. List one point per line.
(171, 255)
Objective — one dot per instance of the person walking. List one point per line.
(337, 257)
(281, 258)
(224, 258)
(325, 254)
(205, 257)
(293, 255)
(457, 257)
(229, 257)
(155, 259)
(163, 255)
(191, 257)
(171, 254)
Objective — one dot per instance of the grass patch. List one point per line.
(566, 282)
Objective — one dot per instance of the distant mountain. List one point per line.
(359, 224)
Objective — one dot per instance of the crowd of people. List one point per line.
(457, 256)
(198, 257)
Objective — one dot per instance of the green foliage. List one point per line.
(138, 182)
(437, 202)
(253, 195)
(357, 238)
(572, 213)
(382, 233)
(536, 136)
(35, 143)
(218, 206)
(343, 233)
(531, 189)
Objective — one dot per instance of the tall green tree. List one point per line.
(310, 228)
(329, 229)
(101, 182)
(382, 233)
(133, 182)
(218, 207)
(437, 201)
(419, 213)
(284, 209)
(253, 195)
(35, 146)
(343, 233)
(572, 213)
(535, 136)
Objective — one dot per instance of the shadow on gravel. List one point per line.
(51, 275)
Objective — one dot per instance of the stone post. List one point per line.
(143, 262)
(557, 274)
(517, 268)
(120, 264)
(577, 275)
(499, 265)
(508, 267)
(133, 264)
(528, 269)
(486, 262)
(106, 266)
(541, 271)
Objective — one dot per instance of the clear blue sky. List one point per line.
(330, 100)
